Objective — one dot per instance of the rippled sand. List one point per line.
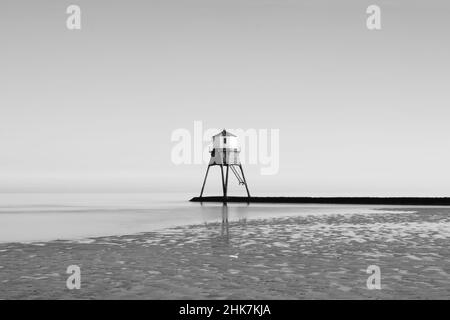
(309, 257)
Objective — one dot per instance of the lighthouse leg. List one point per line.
(245, 181)
(223, 182)
(204, 182)
(226, 182)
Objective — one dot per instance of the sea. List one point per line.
(36, 217)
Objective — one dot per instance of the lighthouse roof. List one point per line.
(224, 133)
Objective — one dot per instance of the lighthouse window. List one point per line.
(224, 140)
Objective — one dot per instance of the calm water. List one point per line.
(290, 252)
(44, 217)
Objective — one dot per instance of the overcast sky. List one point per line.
(359, 112)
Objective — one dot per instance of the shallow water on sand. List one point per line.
(302, 256)
(45, 217)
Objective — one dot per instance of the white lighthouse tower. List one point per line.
(225, 153)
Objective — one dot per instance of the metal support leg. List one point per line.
(245, 181)
(223, 182)
(226, 182)
(204, 182)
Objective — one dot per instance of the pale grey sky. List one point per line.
(360, 112)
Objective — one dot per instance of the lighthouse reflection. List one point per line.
(221, 220)
(225, 232)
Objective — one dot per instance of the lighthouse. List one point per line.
(225, 153)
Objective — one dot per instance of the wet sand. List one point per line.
(305, 257)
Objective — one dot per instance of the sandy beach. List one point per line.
(302, 257)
